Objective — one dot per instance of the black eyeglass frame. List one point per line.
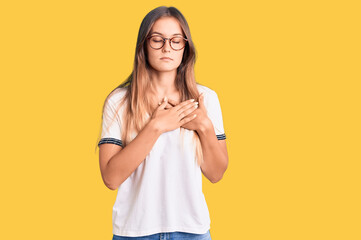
(170, 40)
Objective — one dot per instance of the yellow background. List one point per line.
(287, 74)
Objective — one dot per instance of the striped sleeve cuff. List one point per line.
(111, 140)
(221, 136)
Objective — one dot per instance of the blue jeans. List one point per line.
(169, 236)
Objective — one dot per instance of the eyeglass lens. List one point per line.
(176, 42)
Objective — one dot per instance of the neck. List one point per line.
(164, 82)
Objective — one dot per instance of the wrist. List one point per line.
(205, 126)
(152, 124)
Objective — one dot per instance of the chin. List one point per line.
(165, 69)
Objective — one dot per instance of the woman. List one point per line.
(160, 131)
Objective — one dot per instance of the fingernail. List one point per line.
(192, 100)
(165, 99)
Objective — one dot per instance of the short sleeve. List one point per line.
(215, 113)
(111, 122)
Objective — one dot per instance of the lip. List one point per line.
(166, 58)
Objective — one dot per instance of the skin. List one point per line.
(163, 76)
(163, 73)
(214, 151)
(118, 163)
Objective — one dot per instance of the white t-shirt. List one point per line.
(164, 194)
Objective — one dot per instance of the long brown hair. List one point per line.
(140, 94)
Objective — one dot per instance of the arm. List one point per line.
(215, 154)
(117, 163)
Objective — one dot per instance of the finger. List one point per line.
(168, 106)
(188, 111)
(201, 100)
(192, 106)
(172, 102)
(168, 100)
(183, 112)
(187, 119)
(164, 103)
(183, 104)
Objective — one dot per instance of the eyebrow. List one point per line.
(163, 35)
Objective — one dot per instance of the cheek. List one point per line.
(179, 57)
(152, 57)
(150, 52)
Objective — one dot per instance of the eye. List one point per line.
(156, 39)
(177, 40)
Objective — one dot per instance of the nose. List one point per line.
(166, 47)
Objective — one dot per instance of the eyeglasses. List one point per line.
(176, 43)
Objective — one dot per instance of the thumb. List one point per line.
(201, 100)
(164, 103)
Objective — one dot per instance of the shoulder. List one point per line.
(116, 96)
(114, 102)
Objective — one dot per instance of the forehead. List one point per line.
(166, 26)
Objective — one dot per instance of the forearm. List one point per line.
(126, 161)
(215, 160)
